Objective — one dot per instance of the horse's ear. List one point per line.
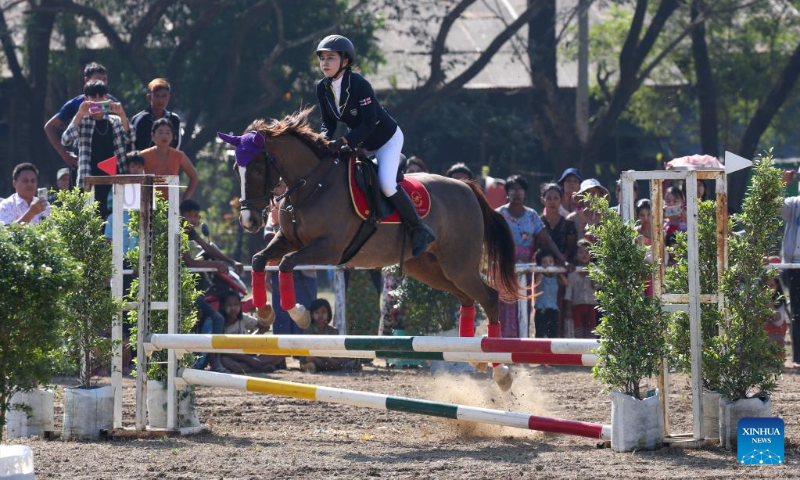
(230, 139)
(258, 140)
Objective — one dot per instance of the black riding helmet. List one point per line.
(338, 43)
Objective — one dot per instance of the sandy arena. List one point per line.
(258, 436)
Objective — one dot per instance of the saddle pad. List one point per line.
(418, 193)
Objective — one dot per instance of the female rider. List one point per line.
(345, 96)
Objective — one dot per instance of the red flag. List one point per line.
(109, 165)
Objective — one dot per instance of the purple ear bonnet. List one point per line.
(247, 146)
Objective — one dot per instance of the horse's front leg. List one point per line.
(318, 252)
(277, 248)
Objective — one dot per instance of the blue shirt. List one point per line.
(69, 109)
(129, 241)
(548, 292)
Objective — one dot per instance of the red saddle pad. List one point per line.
(418, 193)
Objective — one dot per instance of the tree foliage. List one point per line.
(749, 363)
(90, 306)
(633, 329)
(159, 287)
(36, 274)
(677, 281)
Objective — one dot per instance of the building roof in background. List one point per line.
(408, 61)
(407, 54)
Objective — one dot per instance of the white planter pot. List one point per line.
(731, 412)
(157, 406)
(16, 462)
(711, 414)
(636, 424)
(37, 420)
(87, 412)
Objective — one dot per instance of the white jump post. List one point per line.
(691, 301)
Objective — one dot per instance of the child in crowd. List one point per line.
(643, 224)
(240, 323)
(579, 297)
(777, 327)
(546, 314)
(674, 211)
(321, 315)
(210, 320)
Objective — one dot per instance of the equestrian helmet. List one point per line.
(338, 43)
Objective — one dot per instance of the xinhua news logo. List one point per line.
(760, 441)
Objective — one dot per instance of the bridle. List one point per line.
(248, 204)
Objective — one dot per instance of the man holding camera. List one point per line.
(27, 205)
(101, 131)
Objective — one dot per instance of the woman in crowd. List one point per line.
(162, 159)
(416, 165)
(528, 232)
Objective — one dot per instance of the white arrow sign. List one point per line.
(734, 163)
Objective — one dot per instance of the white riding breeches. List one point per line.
(389, 161)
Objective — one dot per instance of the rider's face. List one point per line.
(329, 63)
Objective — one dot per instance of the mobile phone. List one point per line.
(673, 211)
(42, 193)
(97, 107)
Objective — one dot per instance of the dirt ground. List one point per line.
(257, 436)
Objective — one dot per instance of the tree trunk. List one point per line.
(39, 28)
(706, 92)
(761, 120)
(542, 40)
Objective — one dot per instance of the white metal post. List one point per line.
(339, 301)
(174, 295)
(143, 320)
(523, 318)
(696, 341)
(117, 291)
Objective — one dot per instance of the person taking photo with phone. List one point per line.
(101, 131)
(26, 205)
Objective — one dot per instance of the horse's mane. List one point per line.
(295, 124)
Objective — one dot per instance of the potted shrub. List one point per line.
(632, 331)
(749, 363)
(35, 274)
(88, 408)
(159, 287)
(677, 281)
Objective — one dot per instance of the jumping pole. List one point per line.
(390, 402)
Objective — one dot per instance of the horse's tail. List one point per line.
(500, 248)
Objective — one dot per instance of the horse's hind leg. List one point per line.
(471, 283)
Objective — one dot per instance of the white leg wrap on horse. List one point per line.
(502, 377)
(388, 161)
(300, 315)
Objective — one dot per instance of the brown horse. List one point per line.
(318, 222)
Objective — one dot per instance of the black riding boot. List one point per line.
(421, 234)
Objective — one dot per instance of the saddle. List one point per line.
(371, 204)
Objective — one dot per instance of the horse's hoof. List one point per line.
(502, 377)
(480, 367)
(301, 316)
(266, 315)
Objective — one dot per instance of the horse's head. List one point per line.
(292, 151)
(253, 170)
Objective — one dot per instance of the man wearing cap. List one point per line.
(63, 178)
(582, 216)
(570, 182)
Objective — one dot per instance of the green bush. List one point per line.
(159, 288)
(749, 363)
(426, 311)
(35, 275)
(90, 305)
(633, 329)
(677, 281)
